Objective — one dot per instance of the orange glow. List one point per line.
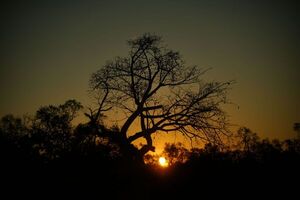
(163, 162)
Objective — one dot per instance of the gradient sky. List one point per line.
(50, 48)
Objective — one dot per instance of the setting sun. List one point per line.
(163, 162)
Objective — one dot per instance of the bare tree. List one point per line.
(154, 86)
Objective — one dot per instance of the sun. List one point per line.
(163, 162)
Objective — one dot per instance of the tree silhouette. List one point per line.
(175, 153)
(248, 139)
(52, 128)
(12, 131)
(154, 86)
(297, 129)
(12, 127)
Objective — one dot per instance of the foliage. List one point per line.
(52, 129)
(175, 153)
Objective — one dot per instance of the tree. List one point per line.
(176, 153)
(57, 118)
(12, 130)
(248, 140)
(52, 128)
(12, 127)
(154, 86)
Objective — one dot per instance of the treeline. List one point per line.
(46, 148)
(49, 137)
(254, 151)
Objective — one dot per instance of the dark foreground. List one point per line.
(124, 180)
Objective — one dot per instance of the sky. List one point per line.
(49, 49)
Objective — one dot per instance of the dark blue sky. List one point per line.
(50, 48)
